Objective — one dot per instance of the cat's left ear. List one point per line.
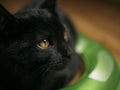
(50, 5)
(6, 19)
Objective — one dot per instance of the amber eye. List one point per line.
(65, 36)
(44, 44)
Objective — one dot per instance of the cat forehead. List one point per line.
(39, 21)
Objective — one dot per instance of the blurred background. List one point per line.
(98, 19)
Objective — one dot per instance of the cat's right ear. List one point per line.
(50, 5)
(6, 18)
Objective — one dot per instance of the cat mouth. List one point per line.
(59, 65)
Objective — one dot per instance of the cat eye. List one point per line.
(65, 36)
(44, 44)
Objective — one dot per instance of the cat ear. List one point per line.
(50, 5)
(6, 18)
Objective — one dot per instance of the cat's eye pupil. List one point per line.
(44, 44)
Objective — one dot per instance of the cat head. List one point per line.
(32, 41)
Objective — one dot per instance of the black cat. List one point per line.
(36, 48)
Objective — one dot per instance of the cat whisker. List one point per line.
(40, 69)
(47, 69)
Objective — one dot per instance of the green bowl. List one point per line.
(101, 72)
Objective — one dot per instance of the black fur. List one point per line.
(25, 66)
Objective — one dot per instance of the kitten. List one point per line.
(36, 48)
